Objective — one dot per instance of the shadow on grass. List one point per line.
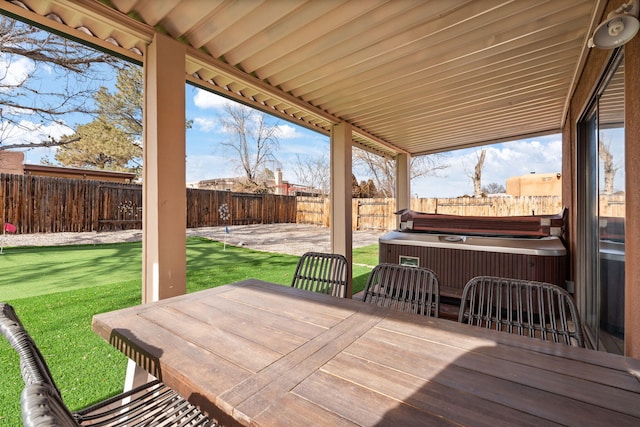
(58, 290)
(32, 271)
(209, 265)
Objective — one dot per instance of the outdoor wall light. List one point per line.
(620, 26)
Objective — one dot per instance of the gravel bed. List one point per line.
(294, 239)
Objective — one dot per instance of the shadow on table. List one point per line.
(125, 341)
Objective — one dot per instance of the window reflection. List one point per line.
(602, 203)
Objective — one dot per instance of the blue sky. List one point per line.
(207, 159)
(204, 156)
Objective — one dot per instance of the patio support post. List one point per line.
(340, 218)
(632, 196)
(403, 183)
(164, 182)
(164, 253)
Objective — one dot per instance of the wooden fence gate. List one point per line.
(371, 214)
(119, 207)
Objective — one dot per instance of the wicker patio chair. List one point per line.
(152, 404)
(405, 288)
(32, 365)
(534, 309)
(323, 273)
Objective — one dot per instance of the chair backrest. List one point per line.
(405, 288)
(33, 367)
(322, 272)
(523, 307)
(42, 407)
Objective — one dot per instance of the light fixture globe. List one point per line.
(620, 26)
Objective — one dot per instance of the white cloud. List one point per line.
(206, 100)
(286, 131)
(505, 160)
(15, 70)
(33, 133)
(205, 124)
(30, 132)
(521, 158)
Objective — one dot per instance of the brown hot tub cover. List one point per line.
(515, 226)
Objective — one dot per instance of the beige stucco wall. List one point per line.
(535, 184)
(11, 162)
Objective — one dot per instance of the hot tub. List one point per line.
(456, 258)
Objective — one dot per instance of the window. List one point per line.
(601, 210)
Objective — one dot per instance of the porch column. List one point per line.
(340, 217)
(164, 187)
(403, 184)
(632, 196)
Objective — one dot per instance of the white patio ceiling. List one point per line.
(411, 76)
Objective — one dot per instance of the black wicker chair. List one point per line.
(405, 288)
(42, 407)
(534, 309)
(323, 273)
(152, 404)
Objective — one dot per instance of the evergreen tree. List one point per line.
(356, 190)
(112, 140)
(104, 146)
(123, 107)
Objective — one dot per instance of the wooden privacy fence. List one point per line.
(206, 208)
(49, 205)
(378, 214)
(313, 210)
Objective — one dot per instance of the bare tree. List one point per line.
(251, 137)
(382, 170)
(604, 151)
(44, 78)
(476, 176)
(493, 188)
(313, 172)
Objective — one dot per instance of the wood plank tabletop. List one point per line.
(257, 353)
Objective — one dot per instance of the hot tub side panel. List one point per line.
(455, 267)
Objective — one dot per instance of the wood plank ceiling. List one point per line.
(411, 76)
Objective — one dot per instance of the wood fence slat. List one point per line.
(37, 204)
(44, 204)
(378, 214)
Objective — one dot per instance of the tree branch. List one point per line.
(49, 143)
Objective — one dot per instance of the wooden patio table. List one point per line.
(257, 353)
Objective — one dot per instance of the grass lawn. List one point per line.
(57, 290)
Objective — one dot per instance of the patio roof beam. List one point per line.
(137, 34)
(314, 118)
(106, 29)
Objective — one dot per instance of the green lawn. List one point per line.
(57, 290)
